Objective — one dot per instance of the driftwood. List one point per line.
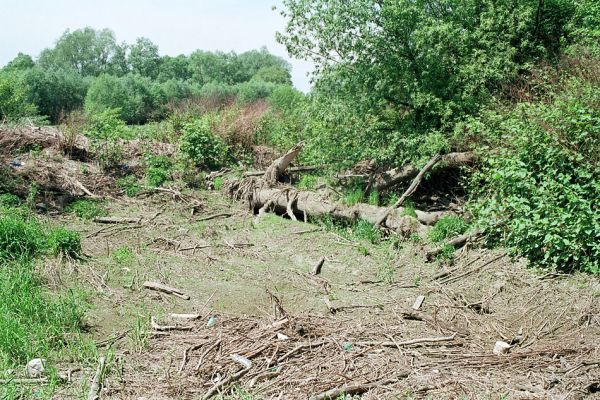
(115, 220)
(407, 172)
(160, 287)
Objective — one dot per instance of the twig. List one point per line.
(357, 388)
(408, 342)
(96, 386)
(215, 345)
(223, 215)
(160, 287)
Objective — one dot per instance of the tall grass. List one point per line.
(34, 323)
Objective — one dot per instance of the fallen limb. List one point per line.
(407, 172)
(115, 220)
(356, 388)
(163, 328)
(96, 386)
(261, 196)
(318, 266)
(456, 242)
(305, 168)
(160, 287)
(220, 215)
(413, 186)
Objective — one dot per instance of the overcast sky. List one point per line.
(176, 26)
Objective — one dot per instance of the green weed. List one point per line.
(129, 185)
(123, 256)
(65, 243)
(159, 170)
(86, 209)
(447, 227)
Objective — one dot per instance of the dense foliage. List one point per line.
(89, 66)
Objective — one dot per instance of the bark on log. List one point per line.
(407, 172)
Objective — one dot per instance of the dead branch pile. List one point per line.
(316, 358)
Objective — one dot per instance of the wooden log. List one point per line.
(455, 242)
(256, 193)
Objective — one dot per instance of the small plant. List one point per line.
(447, 227)
(446, 254)
(308, 182)
(123, 256)
(72, 126)
(129, 185)
(21, 237)
(159, 170)
(9, 200)
(353, 196)
(373, 198)
(386, 273)
(366, 231)
(139, 335)
(201, 146)
(86, 209)
(409, 209)
(105, 129)
(65, 243)
(218, 183)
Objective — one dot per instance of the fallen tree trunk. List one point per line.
(280, 165)
(407, 172)
(284, 199)
(305, 168)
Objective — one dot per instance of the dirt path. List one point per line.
(353, 324)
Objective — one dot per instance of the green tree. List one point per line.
(143, 58)
(87, 51)
(413, 66)
(20, 62)
(273, 74)
(55, 92)
(13, 97)
(174, 68)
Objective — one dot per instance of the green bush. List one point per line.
(65, 243)
(539, 192)
(130, 185)
(448, 227)
(106, 129)
(86, 209)
(14, 103)
(159, 170)
(9, 200)
(201, 146)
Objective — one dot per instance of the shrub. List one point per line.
(538, 194)
(447, 227)
(129, 184)
(65, 243)
(201, 146)
(106, 129)
(159, 169)
(86, 209)
(14, 103)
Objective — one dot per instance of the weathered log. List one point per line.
(258, 194)
(280, 165)
(407, 172)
